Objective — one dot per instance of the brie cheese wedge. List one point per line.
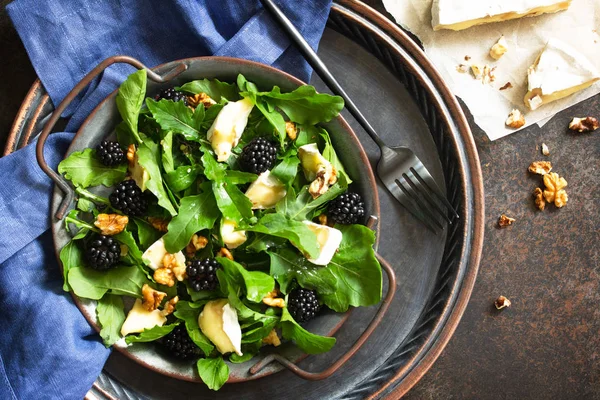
(225, 132)
(265, 191)
(462, 14)
(316, 169)
(231, 237)
(219, 322)
(329, 240)
(559, 71)
(139, 319)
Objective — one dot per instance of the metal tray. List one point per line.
(407, 102)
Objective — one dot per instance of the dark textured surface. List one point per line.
(547, 344)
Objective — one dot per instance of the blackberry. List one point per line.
(129, 199)
(172, 94)
(102, 252)
(202, 274)
(110, 153)
(178, 343)
(258, 156)
(348, 208)
(303, 304)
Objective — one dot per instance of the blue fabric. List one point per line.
(47, 349)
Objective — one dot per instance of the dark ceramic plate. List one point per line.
(407, 102)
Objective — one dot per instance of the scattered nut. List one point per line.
(272, 339)
(323, 219)
(476, 71)
(111, 224)
(540, 167)
(272, 299)
(499, 48)
(462, 68)
(151, 297)
(581, 125)
(540, 203)
(467, 58)
(196, 243)
(515, 119)
(502, 302)
(488, 74)
(224, 252)
(200, 98)
(170, 306)
(505, 221)
(131, 155)
(164, 276)
(291, 130)
(170, 262)
(555, 192)
(326, 176)
(161, 225)
(507, 85)
(545, 150)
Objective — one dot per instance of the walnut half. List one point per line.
(200, 98)
(581, 125)
(272, 299)
(151, 297)
(502, 302)
(555, 192)
(291, 130)
(505, 221)
(515, 119)
(272, 339)
(540, 167)
(111, 224)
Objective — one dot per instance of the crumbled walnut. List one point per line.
(540, 167)
(160, 224)
(502, 302)
(272, 339)
(462, 68)
(499, 48)
(131, 155)
(326, 176)
(505, 221)
(477, 71)
(164, 276)
(555, 192)
(170, 261)
(540, 203)
(224, 252)
(170, 306)
(151, 297)
(323, 219)
(545, 150)
(272, 299)
(196, 243)
(111, 224)
(581, 125)
(515, 119)
(507, 85)
(291, 130)
(200, 98)
(467, 58)
(489, 75)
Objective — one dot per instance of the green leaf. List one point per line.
(257, 283)
(306, 341)
(183, 177)
(133, 250)
(214, 88)
(149, 158)
(110, 317)
(130, 100)
(210, 115)
(287, 265)
(91, 284)
(189, 312)
(167, 152)
(331, 156)
(152, 334)
(175, 116)
(85, 205)
(240, 178)
(71, 256)
(214, 170)
(287, 169)
(213, 372)
(304, 207)
(146, 233)
(232, 203)
(295, 231)
(233, 287)
(356, 269)
(84, 169)
(195, 214)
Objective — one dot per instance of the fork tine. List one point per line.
(435, 189)
(415, 201)
(423, 191)
(410, 206)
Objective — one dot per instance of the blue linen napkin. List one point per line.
(47, 349)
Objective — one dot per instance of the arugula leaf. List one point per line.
(210, 114)
(214, 170)
(71, 256)
(331, 156)
(177, 117)
(110, 317)
(287, 169)
(306, 341)
(233, 204)
(91, 284)
(233, 287)
(277, 224)
(287, 265)
(84, 169)
(189, 312)
(146, 233)
(356, 269)
(257, 283)
(152, 334)
(149, 158)
(213, 372)
(304, 207)
(167, 152)
(130, 99)
(259, 332)
(195, 214)
(240, 178)
(133, 250)
(214, 88)
(85, 205)
(183, 177)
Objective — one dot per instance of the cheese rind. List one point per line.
(462, 14)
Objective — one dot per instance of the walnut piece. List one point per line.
(540, 203)
(170, 262)
(502, 302)
(272, 299)
(545, 150)
(323, 219)
(477, 71)
(467, 58)
(131, 155)
(555, 192)
(505, 221)
(581, 125)
(291, 130)
(196, 243)
(151, 297)
(515, 119)
(462, 68)
(200, 98)
(272, 339)
(164, 276)
(111, 224)
(224, 252)
(499, 48)
(540, 167)
(507, 85)
(160, 224)
(488, 74)
(326, 176)
(170, 306)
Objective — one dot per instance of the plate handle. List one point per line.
(315, 376)
(57, 178)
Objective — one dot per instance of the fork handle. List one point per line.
(315, 61)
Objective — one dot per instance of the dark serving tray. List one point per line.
(407, 102)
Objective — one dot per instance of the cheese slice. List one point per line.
(559, 71)
(462, 14)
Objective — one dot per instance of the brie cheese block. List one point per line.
(231, 237)
(139, 319)
(329, 240)
(462, 14)
(559, 71)
(265, 191)
(219, 322)
(225, 132)
(316, 169)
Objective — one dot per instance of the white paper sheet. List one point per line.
(579, 26)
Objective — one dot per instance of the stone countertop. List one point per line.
(546, 345)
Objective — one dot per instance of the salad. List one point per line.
(229, 223)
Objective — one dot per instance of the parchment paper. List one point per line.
(579, 26)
